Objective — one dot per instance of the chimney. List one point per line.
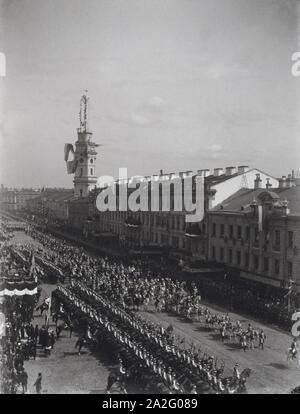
(161, 172)
(218, 172)
(184, 174)
(257, 181)
(242, 169)
(282, 182)
(230, 171)
(268, 184)
(286, 209)
(204, 172)
(290, 182)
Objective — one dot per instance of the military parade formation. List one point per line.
(105, 299)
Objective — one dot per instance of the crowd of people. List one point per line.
(134, 285)
(20, 338)
(268, 305)
(131, 287)
(18, 344)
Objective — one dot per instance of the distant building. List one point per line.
(51, 204)
(16, 199)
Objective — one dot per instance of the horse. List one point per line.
(237, 386)
(291, 356)
(241, 386)
(116, 377)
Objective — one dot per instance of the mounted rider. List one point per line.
(294, 348)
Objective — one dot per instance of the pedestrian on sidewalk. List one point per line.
(38, 383)
(79, 344)
(24, 380)
(71, 327)
(36, 333)
(58, 331)
(52, 338)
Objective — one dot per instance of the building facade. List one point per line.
(257, 233)
(51, 204)
(169, 229)
(15, 200)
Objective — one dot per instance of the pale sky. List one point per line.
(173, 85)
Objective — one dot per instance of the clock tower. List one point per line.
(85, 154)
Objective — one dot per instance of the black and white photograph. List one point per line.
(149, 199)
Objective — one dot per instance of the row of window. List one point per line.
(91, 172)
(161, 239)
(244, 233)
(175, 222)
(255, 260)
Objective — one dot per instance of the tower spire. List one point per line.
(83, 114)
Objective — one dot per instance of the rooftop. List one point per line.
(242, 199)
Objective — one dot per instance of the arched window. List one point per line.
(92, 171)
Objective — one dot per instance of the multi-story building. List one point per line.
(52, 204)
(257, 233)
(168, 229)
(16, 199)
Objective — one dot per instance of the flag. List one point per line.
(2, 325)
(32, 272)
(71, 166)
(290, 289)
(49, 311)
(67, 149)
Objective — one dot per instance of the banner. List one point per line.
(32, 272)
(2, 325)
(71, 166)
(16, 292)
(20, 285)
(49, 311)
(67, 149)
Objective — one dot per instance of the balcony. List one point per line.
(133, 222)
(193, 231)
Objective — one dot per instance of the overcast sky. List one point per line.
(173, 84)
